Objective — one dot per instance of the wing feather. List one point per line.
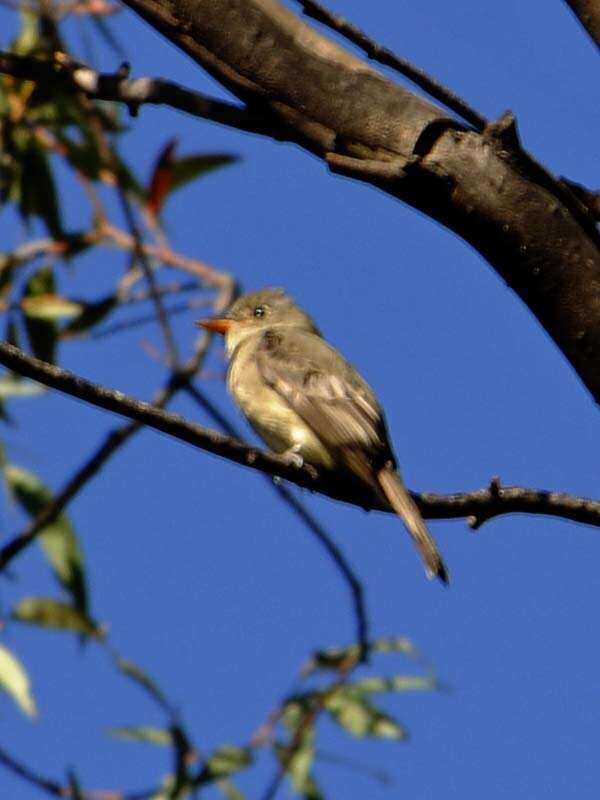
(325, 391)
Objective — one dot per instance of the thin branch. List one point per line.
(481, 504)
(136, 322)
(45, 247)
(138, 253)
(134, 93)
(115, 439)
(314, 526)
(55, 789)
(588, 13)
(382, 55)
(33, 778)
(203, 272)
(339, 560)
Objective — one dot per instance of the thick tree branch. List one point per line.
(588, 13)
(384, 56)
(532, 229)
(479, 505)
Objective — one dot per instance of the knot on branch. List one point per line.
(504, 131)
(492, 497)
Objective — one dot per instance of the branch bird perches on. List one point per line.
(477, 506)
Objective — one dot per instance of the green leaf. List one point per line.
(58, 539)
(138, 675)
(83, 155)
(91, 314)
(127, 179)
(230, 790)
(224, 762)
(37, 191)
(41, 282)
(50, 307)
(143, 733)
(296, 708)
(297, 765)
(397, 683)
(185, 170)
(12, 385)
(15, 681)
(7, 267)
(170, 791)
(336, 658)
(42, 334)
(355, 715)
(300, 765)
(394, 645)
(29, 35)
(49, 613)
(12, 333)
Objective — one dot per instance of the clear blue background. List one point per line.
(211, 584)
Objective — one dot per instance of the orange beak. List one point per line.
(215, 325)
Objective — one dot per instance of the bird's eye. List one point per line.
(260, 311)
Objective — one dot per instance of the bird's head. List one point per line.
(256, 311)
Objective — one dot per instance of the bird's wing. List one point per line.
(325, 391)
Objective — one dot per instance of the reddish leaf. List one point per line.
(162, 178)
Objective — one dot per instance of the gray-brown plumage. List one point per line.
(303, 398)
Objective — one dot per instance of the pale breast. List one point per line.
(268, 413)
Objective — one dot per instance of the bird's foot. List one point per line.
(293, 457)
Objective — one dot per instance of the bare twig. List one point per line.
(206, 274)
(146, 319)
(45, 247)
(139, 254)
(339, 560)
(386, 57)
(33, 778)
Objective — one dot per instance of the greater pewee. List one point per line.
(303, 398)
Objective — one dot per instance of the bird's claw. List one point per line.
(293, 458)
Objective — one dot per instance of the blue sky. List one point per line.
(211, 585)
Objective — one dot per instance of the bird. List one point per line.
(306, 401)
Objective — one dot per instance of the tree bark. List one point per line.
(536, 233)
(588, 13)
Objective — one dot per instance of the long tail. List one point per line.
(403, 504)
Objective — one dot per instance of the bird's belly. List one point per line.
(275, 422)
